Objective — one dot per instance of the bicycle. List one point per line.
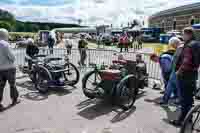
(191, 123)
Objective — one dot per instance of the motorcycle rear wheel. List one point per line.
(70, 67)
(127, 95)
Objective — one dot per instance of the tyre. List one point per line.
(41, 81)
(89, 84)
(126, 95)
(32, 76)
(72, 76)
(192, 121)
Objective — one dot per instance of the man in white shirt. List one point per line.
(7, 68)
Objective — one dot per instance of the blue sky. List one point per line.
(92, 12)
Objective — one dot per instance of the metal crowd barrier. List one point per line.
(96, 56)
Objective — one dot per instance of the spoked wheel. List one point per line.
(90, 84)
(192, 121)
(72, 74)
(41, 82)
(125, 95)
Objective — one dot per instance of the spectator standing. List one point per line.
(82, 45)
(165, 60)
(121, 39)
(187, 66)
(171, 88)
(131, 41)
(68, 45)
(141, 69)
(7, 68)
(31, 51)
(140, 41)
(126, 42)
(51, 43)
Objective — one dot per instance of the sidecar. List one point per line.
(55, 75)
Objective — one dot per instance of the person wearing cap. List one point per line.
(7, 68)
(171, 88)
(187, 65)
(165, 62)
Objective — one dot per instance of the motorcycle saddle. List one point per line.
(110, 74)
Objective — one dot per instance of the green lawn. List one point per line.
(153, 45)
(145, 45)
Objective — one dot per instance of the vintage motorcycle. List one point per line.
(49, 73)
(120, 83)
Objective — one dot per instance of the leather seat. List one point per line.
(121, 62)
(110, 74)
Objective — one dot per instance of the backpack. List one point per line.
(195, 45)
(169, 56)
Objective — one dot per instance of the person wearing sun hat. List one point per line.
(172, 88)
(165, 61)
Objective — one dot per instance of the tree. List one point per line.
(35, 28)
(29, 28)
(8, 17)
(19, 27)
(46, 27)
(135, 23)
(5, 25)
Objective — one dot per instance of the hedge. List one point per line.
(15, 35)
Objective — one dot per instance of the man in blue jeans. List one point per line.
(165, 61)
(171, 87)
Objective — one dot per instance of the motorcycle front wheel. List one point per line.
(90, 84)
(72, 74)
(41, 82)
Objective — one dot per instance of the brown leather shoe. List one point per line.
(1, 107)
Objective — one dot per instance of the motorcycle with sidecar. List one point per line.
(48, 73)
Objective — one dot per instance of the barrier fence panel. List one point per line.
(96, 56)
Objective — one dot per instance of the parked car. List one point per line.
(174, 33)
(164, 38)
(151, 34)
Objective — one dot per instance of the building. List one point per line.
(102, 29)
(177, 18)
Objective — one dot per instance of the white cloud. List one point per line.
(90, 11)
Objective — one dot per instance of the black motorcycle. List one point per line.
(49, 73)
